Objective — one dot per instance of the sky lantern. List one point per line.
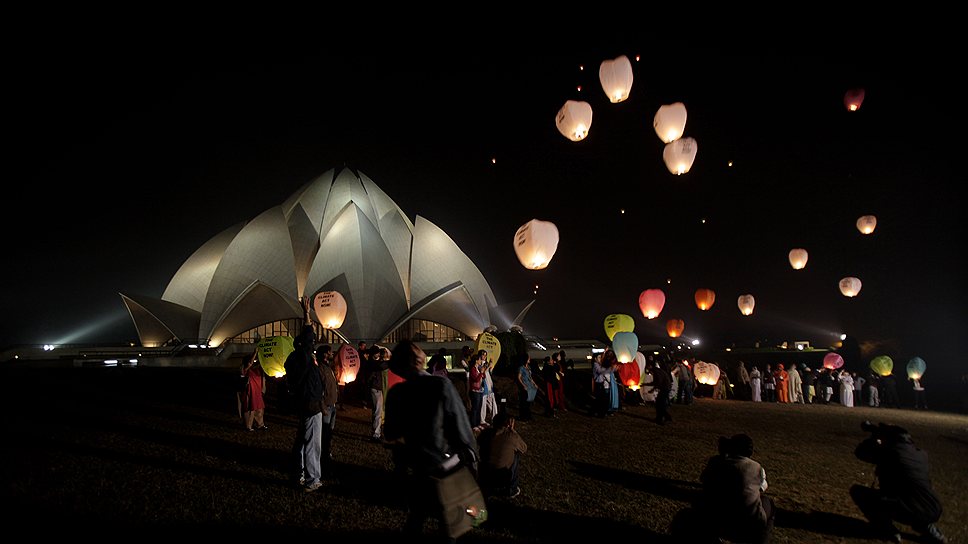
(746, 303)
(675, 327)
(273, 351)
(489, 342)
(916, 367)
(705, 298)
(615, 323)
(850, 287)
(630, 376)
(679, 155)
(833, 361)
(347, 364)
(616, 78)
(640, 361)
(882, 365)
(853, 98)
(866, 224)
(330, 307)
(625, 345)
(651, 302)
(798, 258)
(706, 373)
(670, 122)
(535, 243)
(574, 119)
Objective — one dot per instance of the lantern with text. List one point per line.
(616, 78)
(347, 364)
(675, 327)
(705, 298)
(679, 155)
(273, 352)
(882, 365)
(833, 361)
(866, 224)
(651, 302)
(492, 345)
(670, 122)
(535, 243)
(746, 303)
(625, 345)
(850, 287)
(330, 309)
(706, 373)
(916, 367)
(853, 98)
(574, 119)
(615, 323)
(798, 258)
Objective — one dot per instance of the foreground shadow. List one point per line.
(673, 489)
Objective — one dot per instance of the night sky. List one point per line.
(129, 158)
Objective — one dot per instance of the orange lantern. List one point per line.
(651, 302)
(705, 298)
(675, 327)
(866, 224)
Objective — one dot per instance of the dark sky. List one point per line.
(129, 158)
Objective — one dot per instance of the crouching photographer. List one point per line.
(903, 492)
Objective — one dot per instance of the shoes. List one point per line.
(931, 533)
(262, 428)
(313, 486)
(514, 492)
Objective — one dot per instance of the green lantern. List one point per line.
(273, 352)
(882, 365)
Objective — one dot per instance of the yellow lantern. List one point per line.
(705, 298)
(272, 352)
(746, 303)
(574, 119)
(866, 224)
(615, 323)
(706, 373)
(670, 122)
(882, 365)
(675, 327)
(850, 287)
(679, 155)
(616, 78)
(492, 345)
(798, 258)
(535, 243)
(330, 309)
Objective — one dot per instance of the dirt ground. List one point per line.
(160, 452)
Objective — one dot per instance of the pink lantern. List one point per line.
(651, 302)
(853, 98)
(347, 364)
(833, 361)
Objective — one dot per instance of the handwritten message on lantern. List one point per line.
(273, 351)
(347, 364)
(492, 345)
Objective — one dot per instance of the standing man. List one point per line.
(662, 385)
(375, 378)
(306, 388)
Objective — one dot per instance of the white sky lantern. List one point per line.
(706, 373)
(574, 119)
(746, 303)
(798, 258)
(867, 224)
(330, 309)
(679, 155)
(850, 287)
(616, 78)
(535, 243)
(670, 122)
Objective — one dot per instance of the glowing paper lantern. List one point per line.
(916, 367)
(882, 365)
(675, 327)
(625, 345)
(347, 364)
(489, 342)
(679, 155)
(616, 78)
(853, 98)
(707, 374)
(535, 243)
(651, 302)
(866, 224)
(833, 361)
(705, 298)
(629, 374)
(330, 309)
(670, 122)
(746, 303)
(615, 323)
(273, 351)
(640, 361)
(850, 287)
(798, 258)
(574, 119)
